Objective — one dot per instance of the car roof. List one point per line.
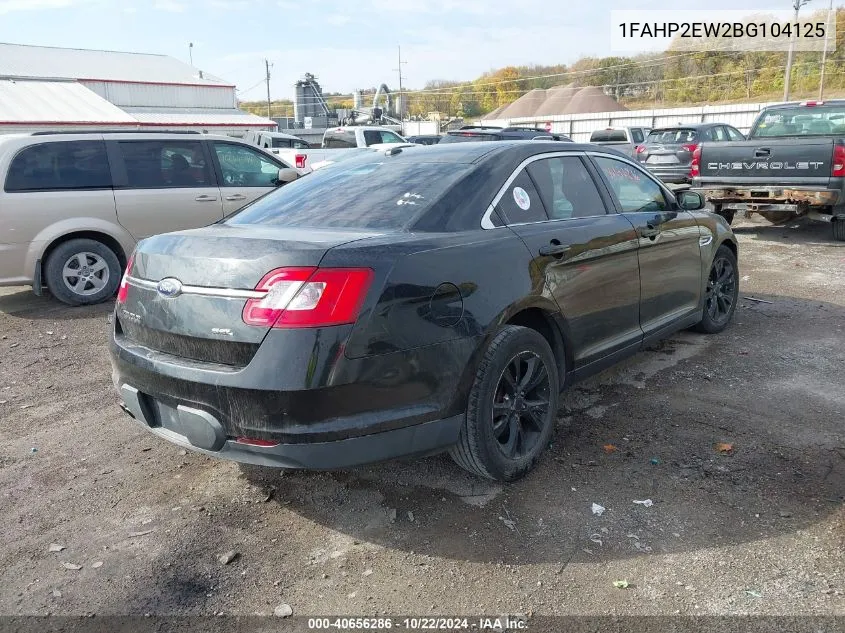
(475, 151)
(689, 126)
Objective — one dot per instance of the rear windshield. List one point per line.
(674, 135)
(801, 121)
(339, 139)
(467, 137)
(366, 193)
(608, 135)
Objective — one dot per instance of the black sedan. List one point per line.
(409, 302)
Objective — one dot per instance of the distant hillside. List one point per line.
(671, 78)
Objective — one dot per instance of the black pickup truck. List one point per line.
(792, 163)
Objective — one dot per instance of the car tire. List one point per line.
(510, 419)
(722, 288)
(728, 214)
(838, 227)
(99, 274)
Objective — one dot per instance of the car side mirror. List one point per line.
(690, 200)
(286, 175)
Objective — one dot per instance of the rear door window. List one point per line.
(521, 203)
(165, 164)
(566, 188)
(64, 165)
(734, 134)
(375, 137)
(720, 134)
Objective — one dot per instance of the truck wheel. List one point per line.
(82, 272)
(512, 407)
(721, 294)
(838, 227)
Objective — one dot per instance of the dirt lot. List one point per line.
(760, 530)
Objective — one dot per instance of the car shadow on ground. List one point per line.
(25, 304)
(800, 230)
(731, 438)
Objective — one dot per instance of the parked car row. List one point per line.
(380, 281)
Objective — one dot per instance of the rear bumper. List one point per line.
(199, 431)
(771, 195)
(300, 394)
(675, 174)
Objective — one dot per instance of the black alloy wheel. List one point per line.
(521, 405)
(721, 293)
(512, 406)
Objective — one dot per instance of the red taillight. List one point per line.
(695, 165)
(690, 147)
(639, 149)
(300, 160)
(308, 297)
(123, 289)
(253, 441)
(812, 103)
(838, 161)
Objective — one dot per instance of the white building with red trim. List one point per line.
(43, 87)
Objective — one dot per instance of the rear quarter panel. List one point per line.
(436, 301)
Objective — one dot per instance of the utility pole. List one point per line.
(796, 4)
(267, 79)
(824, 51)
(191, 52)
(399, 70)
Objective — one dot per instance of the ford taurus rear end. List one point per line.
(238, 339)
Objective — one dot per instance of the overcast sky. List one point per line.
(347, 44)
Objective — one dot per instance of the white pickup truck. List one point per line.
(624, 139)
(337, 143)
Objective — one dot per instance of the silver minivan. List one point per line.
(73, 205)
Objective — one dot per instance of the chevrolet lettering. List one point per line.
(766, 165)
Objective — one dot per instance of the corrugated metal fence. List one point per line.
(579, 126)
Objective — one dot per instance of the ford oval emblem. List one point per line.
(169, 287)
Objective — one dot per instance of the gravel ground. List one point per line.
(757, 530)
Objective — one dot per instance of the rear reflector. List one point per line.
(308, 297)
(252, 441)
(123, 289)
(838, 161)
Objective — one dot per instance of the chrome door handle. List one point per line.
(236, 196)
(205, 198)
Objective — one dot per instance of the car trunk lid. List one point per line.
(209, 274)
